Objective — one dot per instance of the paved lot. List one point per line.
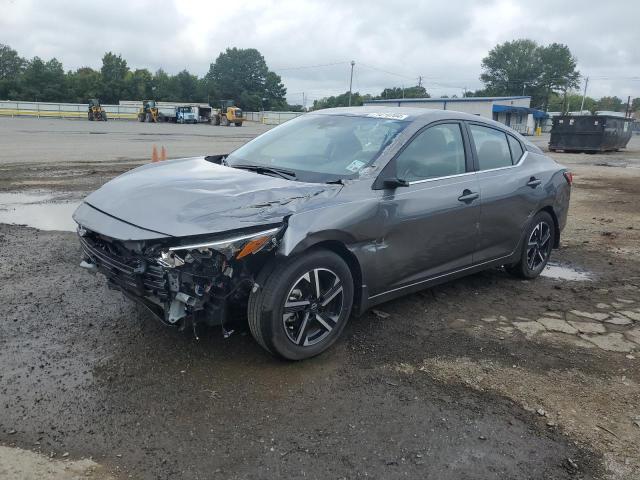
(28, 140)
(486, 377)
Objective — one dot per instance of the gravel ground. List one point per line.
(485, 377)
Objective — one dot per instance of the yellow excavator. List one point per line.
(228, 114)
(96, 112)
(148, 112)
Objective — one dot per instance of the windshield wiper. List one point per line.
(286, 174)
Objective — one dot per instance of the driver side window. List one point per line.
(436, 152)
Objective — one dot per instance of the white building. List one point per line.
(512, 111)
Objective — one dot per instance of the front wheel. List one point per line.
(302, 305)
(538, 243)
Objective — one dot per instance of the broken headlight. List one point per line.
(233, 247)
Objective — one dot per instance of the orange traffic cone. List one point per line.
(163, 153)
(154, 154)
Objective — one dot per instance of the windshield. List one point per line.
(320, 147)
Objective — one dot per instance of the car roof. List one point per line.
(421, 116)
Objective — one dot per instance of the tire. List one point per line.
(535, 250)
(238, 124)
(141, 118)
(104, 117)
(148, 118)
(90, 116)
(293, 281)
(224, 121)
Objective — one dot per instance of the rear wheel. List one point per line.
(90, 116)
(536, 250)
(238, 124)
(148, 118)
(104, 117)
(303, 305)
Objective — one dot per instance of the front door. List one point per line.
(430, 226)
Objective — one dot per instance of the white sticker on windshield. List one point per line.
(392, 116)
(355, 166)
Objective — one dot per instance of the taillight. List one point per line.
(568, 176)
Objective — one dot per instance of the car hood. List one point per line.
(193, 196)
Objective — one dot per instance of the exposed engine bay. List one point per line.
(187, 282)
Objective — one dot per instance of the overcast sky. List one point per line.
(392, 42)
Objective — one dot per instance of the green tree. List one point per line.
(417, 91)
(114, 75)
(138, 85)
(162, 88)
(558, 70)
(11, 69)
(44, 81)
(523, 66)
(243, 75)
(611, 104)
(570, 102)
(341, 100)
(635, 105)
(186, 87)
(83, 84)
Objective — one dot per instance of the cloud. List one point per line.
(392, 42)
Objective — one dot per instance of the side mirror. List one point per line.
(395, 183)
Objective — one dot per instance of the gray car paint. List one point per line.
(396, 240)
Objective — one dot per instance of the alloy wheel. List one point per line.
(313, 307)
(539, 246)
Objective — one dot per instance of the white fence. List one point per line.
(127, 110)
(271, 118)
(9, 108)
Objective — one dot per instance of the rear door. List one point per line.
(509, 189)
(430, 225)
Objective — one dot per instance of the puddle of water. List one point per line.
(42, 211)
(559, 272)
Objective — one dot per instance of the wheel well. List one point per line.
(549, 210)
(351, 260)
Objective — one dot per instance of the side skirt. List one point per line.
(433, 281)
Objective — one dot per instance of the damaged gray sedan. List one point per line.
(324, 216)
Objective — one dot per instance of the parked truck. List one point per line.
(187, 114)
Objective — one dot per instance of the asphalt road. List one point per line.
(486, 377)
(29, 140)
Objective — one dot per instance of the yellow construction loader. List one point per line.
(148, 112)
(96, 112)
(227, 114)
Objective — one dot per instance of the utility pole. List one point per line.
(523, 85)
(304, 102)
(627, 112)
(351, 81)
(420, 81)
(403, 91)
(584, 94)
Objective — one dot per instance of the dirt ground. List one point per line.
(486, 377)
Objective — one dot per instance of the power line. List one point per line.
(303, 67)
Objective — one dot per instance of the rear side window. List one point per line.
(436, 152)
(491, 146)
(516, 149)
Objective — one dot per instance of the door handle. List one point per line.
(533, 182)
(468, 196)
